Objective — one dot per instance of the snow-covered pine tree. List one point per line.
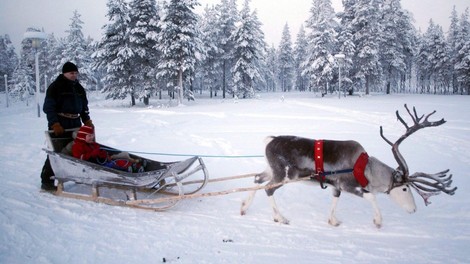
(397, 44)
(319, 65)
(98, 73)
(9, 59)
(113, 52)
(210, 65)
(433, 61)
(247, 54)
(228, 16)
(27, 65)
(179, 44)
(462, 66)
(271, 69)
(53, 58)
(452, 40)
(286, 60)
(143, 34)
(300, 53)
(346, 46)
(76, 50)
(367, 32)
(423, 66)
(24, 86)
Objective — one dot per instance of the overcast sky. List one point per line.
(54, 15)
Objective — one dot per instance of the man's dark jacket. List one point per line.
(66, 97)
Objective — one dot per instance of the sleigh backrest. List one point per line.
(58, 143)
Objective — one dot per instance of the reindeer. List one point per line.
(345, 166)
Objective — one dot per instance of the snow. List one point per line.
(37, 227)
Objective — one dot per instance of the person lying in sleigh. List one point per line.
(85, 148)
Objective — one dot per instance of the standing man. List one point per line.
(66, 107)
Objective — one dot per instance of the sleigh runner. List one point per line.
(91, 181)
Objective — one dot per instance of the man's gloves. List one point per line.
(89, 123)
(58, 129)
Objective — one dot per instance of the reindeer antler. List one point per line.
(425, 184)
(428, 185)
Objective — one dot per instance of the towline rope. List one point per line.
(188, 155)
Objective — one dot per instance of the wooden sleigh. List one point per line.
(93, 182)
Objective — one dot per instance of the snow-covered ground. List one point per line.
(37, 227)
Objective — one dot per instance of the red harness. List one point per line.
(358, 170)
(318, 157)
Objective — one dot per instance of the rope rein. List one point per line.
(217, 193)
(188, 155)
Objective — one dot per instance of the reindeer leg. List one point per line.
(259, 179)
(247, 202)
(378, 216)
(276, 214)
(332, 220)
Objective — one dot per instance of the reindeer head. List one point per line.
(426, 185)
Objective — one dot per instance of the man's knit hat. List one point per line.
(83, 132)
(69, 67)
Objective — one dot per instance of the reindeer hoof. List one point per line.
(282, 221)
(377, 224)
(334, 222)
(243, 208)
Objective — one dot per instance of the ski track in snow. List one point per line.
(37, 227)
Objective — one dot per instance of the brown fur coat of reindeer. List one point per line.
(291, 157)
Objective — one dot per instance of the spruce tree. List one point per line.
(8, 58)
(23, 84)
(433, 61)
(248, 52)
(76, 50)
(396, 44)
(143, 32)
(286, 61)
(300, 53)
(367, 39)
(113, 52)
(319, 65)
(211, 64)
(179, 44)
(228, 16)
(271, 69)
(462, 66)
(452, 40)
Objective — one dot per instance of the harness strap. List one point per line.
(318, 158)
(359, 168)
(326, 173)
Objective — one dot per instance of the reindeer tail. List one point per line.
(268, 139)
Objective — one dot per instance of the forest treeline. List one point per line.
(162, 49)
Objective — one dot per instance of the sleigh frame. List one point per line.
(90, 181)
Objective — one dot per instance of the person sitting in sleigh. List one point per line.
(85, 148)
